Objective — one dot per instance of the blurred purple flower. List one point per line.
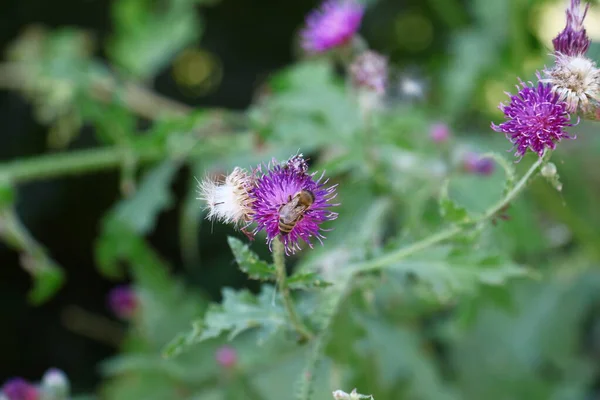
(369, 70)
(279, 186)
(439, 132)
(331, 25)
(476, 164)
(123, 301)
(226, 356)
(573, 40)
(535, 119)
(20, 389)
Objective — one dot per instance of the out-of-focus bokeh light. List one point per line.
(197, 72)
(413, 31)
(549, 20)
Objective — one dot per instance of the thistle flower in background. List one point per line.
(439, 132)
(536, 119)
(573, 40)
(226, 356)
(122, 300)
(475, 164)
(369, 71)
(288, 201)
(20, 389)
(228, 202)
(575, 77)
(331, 25)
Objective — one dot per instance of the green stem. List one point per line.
(279, 260)
(451, 232)
(71, 163)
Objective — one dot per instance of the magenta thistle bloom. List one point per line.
(279, 186)
(122, 300)
(20, 389)
(535, 119)
(573, 40)
(331, 25)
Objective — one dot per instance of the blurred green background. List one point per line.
(235, 90)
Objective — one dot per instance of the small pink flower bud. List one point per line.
(439, 132)
(226, 356)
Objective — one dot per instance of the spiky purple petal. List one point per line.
(535, 119)
(333, 24)
(573, 40)
(275, 187)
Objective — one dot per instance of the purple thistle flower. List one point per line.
(476, 164)
(122, 300)
(536, 119)
(276, 188)
(573, 40)
(331, 25)
(20, 389)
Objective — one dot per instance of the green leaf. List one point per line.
(48, 279)
(149, 34)
(7, 194)
(153, 195)
(240, 311)
(446, 272)
(249, 261)
(306, 281)
(451, 211)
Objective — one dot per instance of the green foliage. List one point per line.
(433, 282)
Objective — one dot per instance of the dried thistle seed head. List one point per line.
(228, 202)
(369, 71)
(576, 80)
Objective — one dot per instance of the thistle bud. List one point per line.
(226, 356)
(439, 132)
(123, 301)
(55, 385)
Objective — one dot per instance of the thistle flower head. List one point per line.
(226, 356)
(535, 119)
(331, 25)
(122, 300)
(228, 202)
(280, 187)
(369, 70)
(439, 132)
(573, 40)
(576, 80)
(20, 389)
(476, 164)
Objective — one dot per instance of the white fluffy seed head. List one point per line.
(576, 79)
(228, 202)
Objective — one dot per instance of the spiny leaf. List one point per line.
(152, 196)
(306, 281)
(239, 312)
(249, 261)
(450, 210)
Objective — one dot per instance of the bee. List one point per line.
(293, 211)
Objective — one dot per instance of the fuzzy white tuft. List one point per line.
(228, 202)
(576, 79)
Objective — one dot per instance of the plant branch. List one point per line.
(279, 260)
(393, 257)
(71, 163)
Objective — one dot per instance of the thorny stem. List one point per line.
(390, 258)
(279, 260)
